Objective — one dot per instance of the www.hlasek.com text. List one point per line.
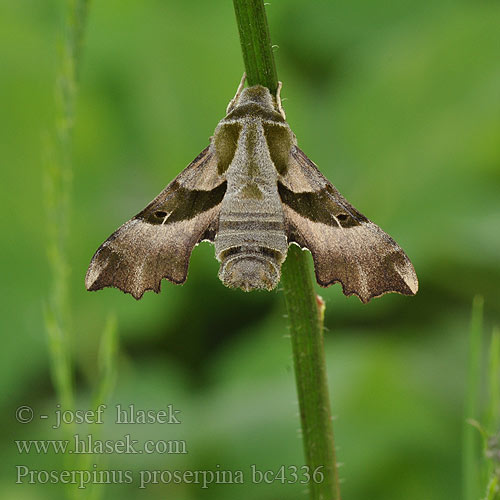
(87, 444)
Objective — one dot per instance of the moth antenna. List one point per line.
(242, 83)
(239, 90)
(278, 100)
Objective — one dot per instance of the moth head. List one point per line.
(257, 94)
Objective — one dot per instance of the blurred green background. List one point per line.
(399, 105)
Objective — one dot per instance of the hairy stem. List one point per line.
(256, 43)
(304, 314)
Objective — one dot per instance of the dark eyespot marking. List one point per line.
(279, 140)
(225, 142)
(346, 220)
(160, 214)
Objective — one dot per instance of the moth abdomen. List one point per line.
(251, 247)
(250, 267)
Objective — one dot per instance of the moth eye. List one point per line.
(160, 214)
(342, 217)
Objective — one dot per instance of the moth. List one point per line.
(252, 192)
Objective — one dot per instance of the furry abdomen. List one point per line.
(251, 247)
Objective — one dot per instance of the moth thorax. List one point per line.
(250, 267)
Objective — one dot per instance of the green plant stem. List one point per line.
(494, 382)
(58, 182)
(306, 328)
(470, 471)
(256, 43)
(304, 316)
(493, 410)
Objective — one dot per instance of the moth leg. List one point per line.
(239, 90)
(278, 100)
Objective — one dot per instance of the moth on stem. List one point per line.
(252, 192)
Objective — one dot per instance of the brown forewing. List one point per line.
(157, 243)
(345, 245)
